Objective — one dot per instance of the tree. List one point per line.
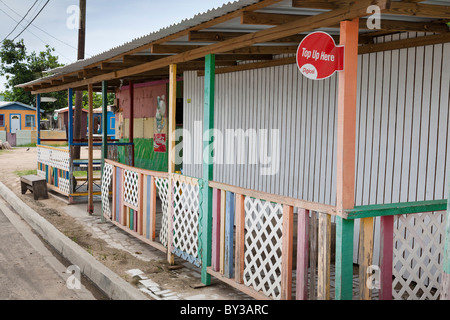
(18, 66)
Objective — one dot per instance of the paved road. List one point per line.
(28, 269)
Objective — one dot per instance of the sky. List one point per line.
(109, 23)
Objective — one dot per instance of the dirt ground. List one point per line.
(22, 159)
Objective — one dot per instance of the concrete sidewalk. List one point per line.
(154, 289)
(145, 286)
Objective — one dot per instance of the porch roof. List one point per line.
(247, 31)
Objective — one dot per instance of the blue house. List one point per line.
(98, 124)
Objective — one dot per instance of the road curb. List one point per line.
(106, 280)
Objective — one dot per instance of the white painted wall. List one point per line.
(402, 127)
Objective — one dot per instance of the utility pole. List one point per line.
(79, 94)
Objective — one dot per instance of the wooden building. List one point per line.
(365, 150)
(16, 116)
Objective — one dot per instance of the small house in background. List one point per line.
(14, 117)
(63, 120)
(111, 121)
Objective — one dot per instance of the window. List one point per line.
(29, 121)
(2, 120)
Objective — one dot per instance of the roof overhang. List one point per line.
(266, 31)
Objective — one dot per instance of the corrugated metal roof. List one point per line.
(284, 6)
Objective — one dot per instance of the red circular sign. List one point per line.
(318, 57)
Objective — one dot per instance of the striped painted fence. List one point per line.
(412, 244)
(53, 164)
(253, 244)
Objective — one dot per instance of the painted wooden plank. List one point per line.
(215, 255)
(229, 235)
(344, 258)
(140, 214)
(207, 168)
(313, 255)
(302, 255)
(386, 257)
(240, 239)
(152, 197)
(287, 252)
(120, 197)
(365, 252)
(223, 199)
(324, 257)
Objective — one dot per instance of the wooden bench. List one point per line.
(37, 185)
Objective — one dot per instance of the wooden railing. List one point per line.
(411, 249)
(261, 265)
(133, 206)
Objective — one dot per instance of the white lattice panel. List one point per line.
(41, 174)
(54, 158)
(185, 221)
(106, 185)
(263, 246)
(131, 188)
(162, 184)
(64, 185)
(418, 254)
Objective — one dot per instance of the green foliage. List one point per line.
(18, 66)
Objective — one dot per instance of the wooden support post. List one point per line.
(91, 151)
(346, 154)
(70, 120)
(208, 125)
(104, 127)
(302, 254)
(386, 257)
(38, 117)
(324, 257)
(131, 125)
(171, 165)
(287, 252)
(240, 239)
(365, 256)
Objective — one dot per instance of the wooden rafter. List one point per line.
(325, 19)
(261, 18)
(408, 8)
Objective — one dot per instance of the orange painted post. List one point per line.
(171, 149)
(346, 151)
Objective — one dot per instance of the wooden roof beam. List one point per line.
(208, 36)
(325, 19)
(386, 24)
(177, 49)
(397, 8)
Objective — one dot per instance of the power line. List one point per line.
(32, 20)
(44, 42)
(18, 23)
(42, 30)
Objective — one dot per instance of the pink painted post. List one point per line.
(215, 263)
(386, 258)
(302, 254)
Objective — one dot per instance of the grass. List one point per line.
(25, 173)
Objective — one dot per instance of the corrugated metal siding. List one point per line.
(402, 126)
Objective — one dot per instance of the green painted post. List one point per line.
(104, 127)
(344, 258)
(207, 192)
